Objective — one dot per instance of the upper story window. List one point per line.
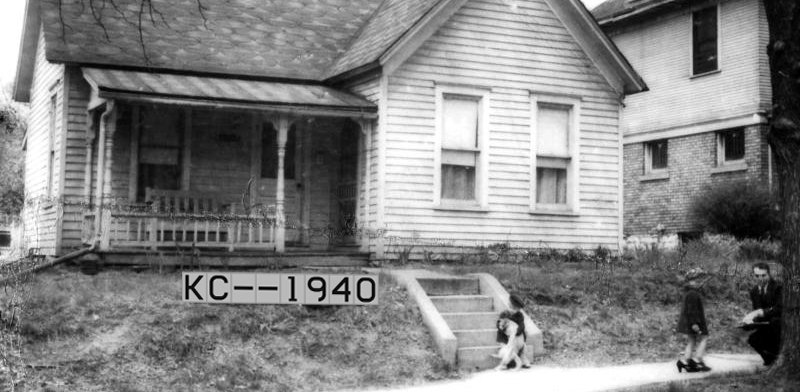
(461, 127)
(555, 153)
(656, 155)
(705, 56)
(730, 146)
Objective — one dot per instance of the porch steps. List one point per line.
(471, 316)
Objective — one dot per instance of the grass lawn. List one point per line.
(127, 331)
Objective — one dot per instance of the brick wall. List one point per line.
(691, 169)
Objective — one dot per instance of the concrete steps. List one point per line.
(471, 316)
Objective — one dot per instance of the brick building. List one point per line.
(703, 120)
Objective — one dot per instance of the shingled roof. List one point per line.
(611, 11)
(293, 39)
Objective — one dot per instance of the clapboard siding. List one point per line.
(513, 52)
(75, 168)
(369, 88)
(39, 215)
(660, 50)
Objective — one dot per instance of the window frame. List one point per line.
(52, 125)
(648, 157)
(483, 96)
(718, 67)
(572, 205)
(720, 142)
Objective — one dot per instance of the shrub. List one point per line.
(742, 209)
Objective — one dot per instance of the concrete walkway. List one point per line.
(554, 379)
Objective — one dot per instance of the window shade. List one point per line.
(552, 130)
(460, 122)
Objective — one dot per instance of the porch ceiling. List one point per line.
(308, 99)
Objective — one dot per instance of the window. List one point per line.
(160, 149)
(655, 156)
(51, 136)
(460, 146)
(269, 152)
(555, 153)
(730, 146)
(459, 172)
(704, 41)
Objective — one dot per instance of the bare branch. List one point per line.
(201, 8)
(141, 35)
(97, 15)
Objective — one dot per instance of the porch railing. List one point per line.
(188, 219)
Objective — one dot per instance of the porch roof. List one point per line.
(192, 90)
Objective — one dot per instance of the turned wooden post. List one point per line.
(280, 221)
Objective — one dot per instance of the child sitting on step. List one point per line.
(511, 333)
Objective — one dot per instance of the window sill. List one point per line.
(540, 211)
(700, 75)
(729, 167)
(457, 207)
(654, 176)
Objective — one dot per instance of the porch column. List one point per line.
(104, 161)
(280, 230)
(366, 133)
(90, 136)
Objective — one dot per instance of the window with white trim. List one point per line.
(730, 147)
(656, 156)
(460, 173)
(555, 153)
(705, 56)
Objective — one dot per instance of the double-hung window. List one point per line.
(555, 155)
(705, 56)
(656, 154)
(461, 113)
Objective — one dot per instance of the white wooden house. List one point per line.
(275, 126)
(703, 121)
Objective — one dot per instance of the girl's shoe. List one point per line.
(681, 366)
(700, 366)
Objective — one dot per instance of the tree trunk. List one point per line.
(783, 17)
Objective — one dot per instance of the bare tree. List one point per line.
(783, 17)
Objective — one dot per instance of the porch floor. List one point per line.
(293, 257)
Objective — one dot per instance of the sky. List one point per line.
(11, 14)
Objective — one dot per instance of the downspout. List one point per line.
(101, 162)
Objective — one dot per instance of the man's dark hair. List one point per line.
(763, 266)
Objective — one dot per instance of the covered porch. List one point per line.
(227, 165)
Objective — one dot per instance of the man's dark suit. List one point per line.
(767, 338)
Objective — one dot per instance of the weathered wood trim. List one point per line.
(280, 232)
(255, 157)
(306, 181)
(90, 137)
(104, 173)
(414, 38)
(745, 120)
(62, 159)
(366, 131)
(186, 153)
(383, 123)
(621, 180)
(292, 110)
(133, 178)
